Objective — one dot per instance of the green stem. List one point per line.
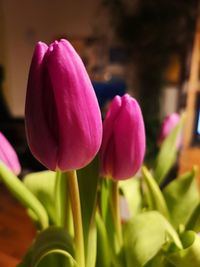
(77, 217)
(60, 198)
(116, 212)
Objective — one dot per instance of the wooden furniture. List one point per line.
(16, 230)
(190, 154)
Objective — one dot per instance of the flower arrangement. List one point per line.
(93, 170)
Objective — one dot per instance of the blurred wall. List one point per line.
(23, 23)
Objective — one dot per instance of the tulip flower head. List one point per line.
(62, 116)
(123, 144)
(167, 126)
(8, 155)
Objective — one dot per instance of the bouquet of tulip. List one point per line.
(96, 206)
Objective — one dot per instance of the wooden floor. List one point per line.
(16, 230)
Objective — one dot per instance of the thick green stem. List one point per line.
(60, 194)
(116, 212)
(77, 217)
(62, 202)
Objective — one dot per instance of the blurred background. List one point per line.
(136, 46)
(149, 49)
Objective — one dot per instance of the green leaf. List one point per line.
(168, 152)
(88, 179)
(182, 197)
(155, 196)
(61, 193)
(107, 210)
(23, 194)
(50, 242)
(42, 185)
(159, 261)
(145, 235)
(105, 193)
(92, 243)
(194, 221)
(131, 189)
(104, 257)
(190, 255)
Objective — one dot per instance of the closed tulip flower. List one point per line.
(167, 126)
(123, 144)
(8, 155)
(62, 116)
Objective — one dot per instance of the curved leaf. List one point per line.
(190, 255)
(159, 261)
(131, 189)
(54, 240)
(23, 194)
(42, 185)
(145, 235)
(155, 195)
(182, 197)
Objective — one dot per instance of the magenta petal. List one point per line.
(107, 147)
(129, 139)
(167, 126)
(62, 104)
(123, 144)
(40, 139)
(79, 118)
(8, 155)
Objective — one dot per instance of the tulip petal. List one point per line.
(107, 148)
(78, 114)
(168, 124)
(40, 139)
(129, 141)
(8, 155)
(123, 144)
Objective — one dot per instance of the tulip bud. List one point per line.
(167, 126)
(8, 155)
(123, 144)
(62, 116)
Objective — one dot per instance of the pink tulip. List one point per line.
(123, 144)
(8, 155)
(167, 126)
(63, 119)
